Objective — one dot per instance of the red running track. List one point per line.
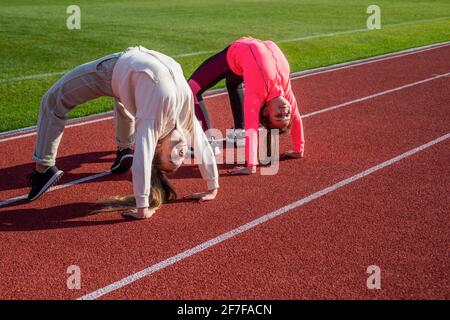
(396, 218)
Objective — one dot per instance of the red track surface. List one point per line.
(396, 218)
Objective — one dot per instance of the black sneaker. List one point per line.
(41, 182)
(123, 162)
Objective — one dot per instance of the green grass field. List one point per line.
(34, 39)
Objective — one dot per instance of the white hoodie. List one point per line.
(152, 87)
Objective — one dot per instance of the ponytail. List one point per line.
(161, 191)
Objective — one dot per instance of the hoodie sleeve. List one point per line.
(151, 107)
(255, 94)
(297, 137)
(204, 157)
(145, 145)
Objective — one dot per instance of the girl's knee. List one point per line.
(53, 104)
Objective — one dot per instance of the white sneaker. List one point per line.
(214, 145)
(236, 137)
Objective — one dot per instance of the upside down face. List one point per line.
(279, 112)
(172, 150)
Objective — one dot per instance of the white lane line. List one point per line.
(13, 200)
(197, 53)
(67, 126)
(72, 120)
(361, 62)
(58, 187)
(311, 114)
(252, 224)
(294, 76)
(81, 180)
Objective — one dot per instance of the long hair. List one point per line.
(161, 191)
(265, 122)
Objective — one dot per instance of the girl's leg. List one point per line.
(125, 128)
(206, 76)
(84, 83)
(124, 123)
(235, 87)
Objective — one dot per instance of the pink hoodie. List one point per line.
(266, 76)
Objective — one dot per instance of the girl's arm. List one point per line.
(256, 91)
(297, 137)
(145, 145)
(146, 140)
(204, 157)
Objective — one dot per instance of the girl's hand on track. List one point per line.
(292, 155)
(139, 213)
(203, 196)
(242, 170)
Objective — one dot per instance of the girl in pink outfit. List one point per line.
(268, 100)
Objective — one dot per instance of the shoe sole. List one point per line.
(54, 179)
(126, 161)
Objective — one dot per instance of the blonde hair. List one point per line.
(161, 191)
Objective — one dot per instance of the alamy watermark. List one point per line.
(74, 280)
(374, 279)
(374, 19)
(269, 160)
(73, 21)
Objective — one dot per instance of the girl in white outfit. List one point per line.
(154, 109)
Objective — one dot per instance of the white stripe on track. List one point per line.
(311, 114)
(13, 200)
(252, 224)
(67, 126)
(197, 53)
(361, 62)
(72, 120)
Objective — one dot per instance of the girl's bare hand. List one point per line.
(203, 196)
(139, 213)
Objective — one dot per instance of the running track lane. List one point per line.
(322, 250)
(103, 248)
(395, 218)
